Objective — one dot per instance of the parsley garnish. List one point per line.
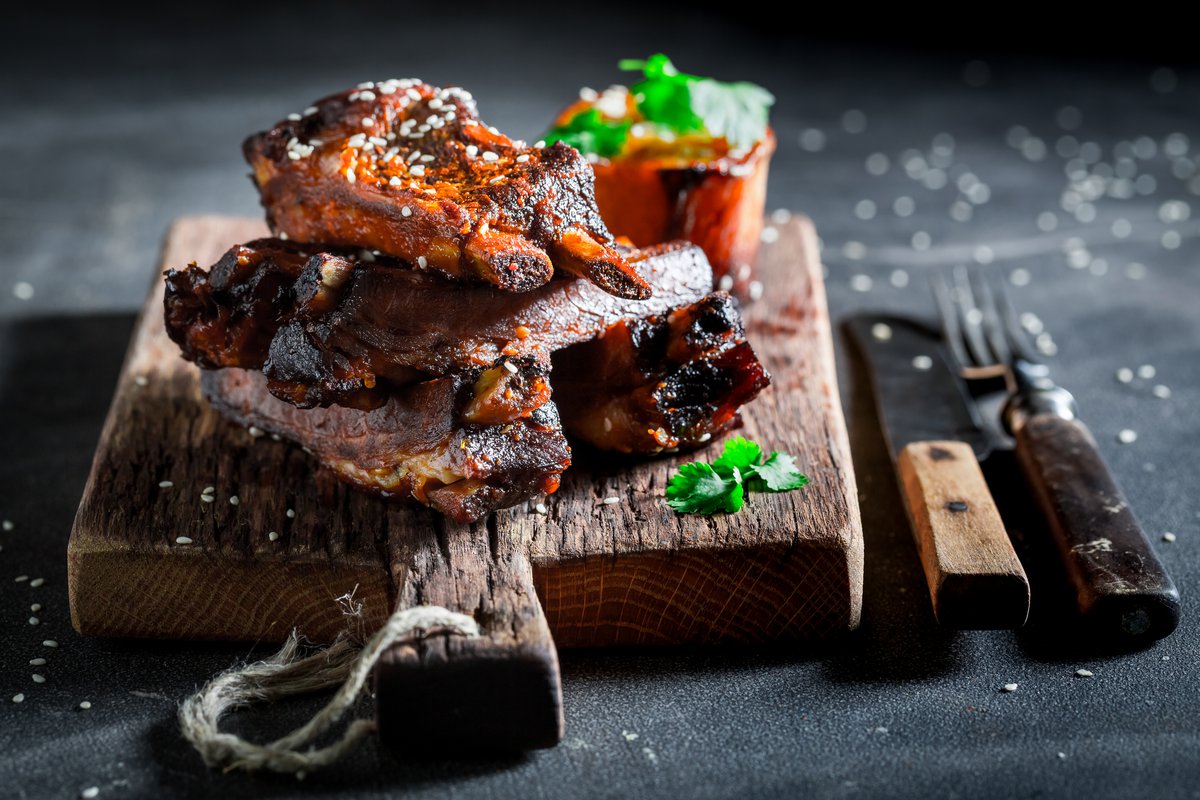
(682, 103)
(701, 488)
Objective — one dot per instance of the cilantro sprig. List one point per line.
(742, 467)
(682, 103)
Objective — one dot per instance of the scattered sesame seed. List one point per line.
(36, 582)
(610, 501)
(1127, 436)
(1083, 673)
(234, 500)
(861, 283)
(21, 579)
(291, 513)
(488, 155)
(1124, 375)
(521, 159)
(37, 662)
(922, 363)
(881, 331)
(49, 643)
(85, 705)
(34, 621)
(38, 678)
(395, 181)
(756, 290)
(18, 698)
(273, 536)
(418, 171)
(90, 792)
(1161, 392)
(405, 211)
(183, 540)
(207, 498)
(1168, 537)
(283, 235)
(350, 175)
(293, 117)
(141, 380)
(511, 367)
(1146, 371)
(1008, 687)
(898, 278)
(7, 525)
(1019, 277)
(165, 484)
(255, 431)
(23, 290)
(769, 235)
(422, 262)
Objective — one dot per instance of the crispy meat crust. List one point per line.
(333, 328)
(663, 383)
(407, 169)
(445, 443)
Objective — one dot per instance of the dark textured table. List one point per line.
(906, 161)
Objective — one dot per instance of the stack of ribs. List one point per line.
(442, 306)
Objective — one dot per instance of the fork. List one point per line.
(1121, 587)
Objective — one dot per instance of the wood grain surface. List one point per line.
(975, 578)
(786, 566)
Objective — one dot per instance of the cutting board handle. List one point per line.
(452, 695)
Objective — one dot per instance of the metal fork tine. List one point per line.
(993, 325)
(971, 319)
(949, 316)
(1017, 339)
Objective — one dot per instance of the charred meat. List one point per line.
(667, 382)
(465, 445)
(331, 327)
(407, 169)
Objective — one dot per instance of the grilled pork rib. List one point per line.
(407, 169)
(667, 382)
(331, 327)
(458, 444)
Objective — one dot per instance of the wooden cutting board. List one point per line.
(587, 573)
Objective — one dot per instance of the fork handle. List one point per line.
(1121, 587)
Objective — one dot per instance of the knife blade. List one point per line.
(936, 438)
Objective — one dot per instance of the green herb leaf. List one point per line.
(777, 474)
(590, 132)
(739, 453)
(699, 489)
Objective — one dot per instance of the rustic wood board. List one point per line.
(787, 566)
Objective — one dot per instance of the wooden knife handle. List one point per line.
(497, 693)
(1121, 586)
(975, 578)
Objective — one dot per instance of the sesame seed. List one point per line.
(23, 290)
(395, 181)
(37, 662)
(1083, 673)
(18, 698)
(511, 367)
(1127, 436)
(1161, 392)
(165, 484)
(255, 431)
(183, 540)
(21, 579)
(406, 211)
(1124, 375)
(207, 498)
(350, 175)
(308, 112)
(283, 236)
(38, 678)
(861, 283)
(49, 643)
(922, 363)
(273, 536)
(611, 501)
(417, 170)
(85, 705)
(422, 262)
(291, 513)
(34, 621)
(521, 159)
(234, 500)
(540, 508)
(1168, 537)
(488, 155)
(881, 331)
(36, 582)
(1146, 371)
(367, 122)
(756, 290)
(769, 235)
(7, 525)
(90, 792)
(1008, 687)
(141, 380)
(293, 117)
(36, 607)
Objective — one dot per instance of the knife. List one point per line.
(936, 440)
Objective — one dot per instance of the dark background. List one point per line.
(113, 125)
